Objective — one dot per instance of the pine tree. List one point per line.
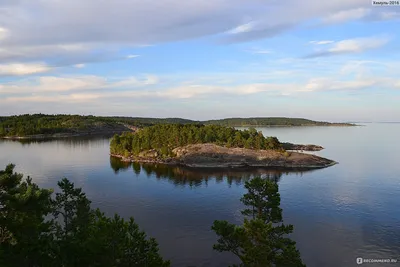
(75, 234)
(262, 240)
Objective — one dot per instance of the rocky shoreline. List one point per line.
(214, 156)
(290, 146)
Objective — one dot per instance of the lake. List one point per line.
(340, 213)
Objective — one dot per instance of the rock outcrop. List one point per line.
(214, 156)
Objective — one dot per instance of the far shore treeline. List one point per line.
(42, 124)
(165, 137)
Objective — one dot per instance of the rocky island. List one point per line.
(211, 146)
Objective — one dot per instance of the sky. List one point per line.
(323, 60)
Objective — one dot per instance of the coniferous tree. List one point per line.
(262, 240)
(75, 234)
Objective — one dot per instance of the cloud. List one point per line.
(18, 52)
(69, 33)
(243, 28)
(328, 84)
(191, 92)
(349, 46)
(3, 33)
(346, 15)
(82, 83)
(138, 23)
(19, 69)
(323, 42)
(352, 76)
(256, 33)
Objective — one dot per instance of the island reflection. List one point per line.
(181, 175)
(67, 141)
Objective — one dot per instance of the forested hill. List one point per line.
(41, 124)
(271, 121)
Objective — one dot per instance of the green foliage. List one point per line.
(271, 121)
(38, 230)
(262, 240)
(25, 125)
(263, 200)
(163, 138)
(23, 229)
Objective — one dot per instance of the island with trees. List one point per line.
(211, 146)
(38, 126)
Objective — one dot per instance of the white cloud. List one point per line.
(327, 84)
(131, 56)
(388, 15)
(140, 23)
(243, 28)
(346, 15)
(356, 45)
(135, 82)
(80, 83)
(3, 33)
(190, 92)
(323, 42)
(19, 69)
(79, 66)
(69, 33)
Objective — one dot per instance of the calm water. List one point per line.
(340, 213)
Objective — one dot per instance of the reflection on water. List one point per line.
(181, 175)
(71, 141)
(340, 213)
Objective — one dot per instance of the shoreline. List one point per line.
(305, 125)
(174, 162)
(106, 133)
(60, 135)
(213, 156)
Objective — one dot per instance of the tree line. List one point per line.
(39, 228)
(24, 125)
(271, 121)
(165, 137)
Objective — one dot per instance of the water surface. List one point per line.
(340, 213)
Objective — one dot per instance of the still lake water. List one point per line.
(339, 213)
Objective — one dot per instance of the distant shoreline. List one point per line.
(305, 125)
(61, 135)
(40, 126)
(110, 133)
(119, 131)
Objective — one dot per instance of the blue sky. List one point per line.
(336, 61)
